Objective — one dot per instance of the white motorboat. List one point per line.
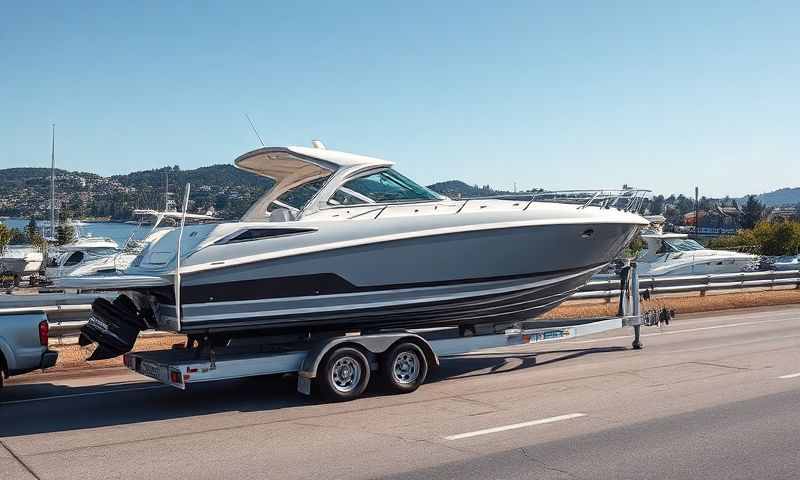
(108, 261)
(676, 254)
(343, 242)
(65, 259)
(21, 261)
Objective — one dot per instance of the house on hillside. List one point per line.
(784, 214)
(719, 219)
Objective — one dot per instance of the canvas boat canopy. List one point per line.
(290, 167)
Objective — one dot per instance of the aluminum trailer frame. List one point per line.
(182, 367)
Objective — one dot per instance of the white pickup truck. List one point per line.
(23, 344)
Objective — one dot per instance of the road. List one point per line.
(715, 396)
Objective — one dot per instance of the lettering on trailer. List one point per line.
(550, 335)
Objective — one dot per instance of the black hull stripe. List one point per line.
(502, 308)
(327, 284)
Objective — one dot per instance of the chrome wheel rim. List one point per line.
(405, 369)
(345, 374)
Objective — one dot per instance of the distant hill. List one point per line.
(224, 188)
(229, 191)
(783, 196)
(459, 189)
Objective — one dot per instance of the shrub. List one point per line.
(771, 239)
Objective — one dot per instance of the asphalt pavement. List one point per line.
(711, 396)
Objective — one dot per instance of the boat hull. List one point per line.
(466, 278)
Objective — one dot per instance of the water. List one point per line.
(119, 232)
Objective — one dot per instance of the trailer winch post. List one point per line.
(178, 259)
(636, 320)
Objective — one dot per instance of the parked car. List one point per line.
(23, 344)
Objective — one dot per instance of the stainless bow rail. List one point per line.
(625, 199)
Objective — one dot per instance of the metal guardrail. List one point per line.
(609, 288)
(67, 312)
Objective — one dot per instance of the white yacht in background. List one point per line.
(677, 254)
(65, 259)
(343, 242)
(113, 261)
(21, 261)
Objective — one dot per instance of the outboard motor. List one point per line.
(114, 326)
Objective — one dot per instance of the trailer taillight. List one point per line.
(129, 361)
(44, 333)
(175, 376)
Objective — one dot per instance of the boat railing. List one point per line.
(627, 199)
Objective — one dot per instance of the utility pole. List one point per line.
(696, 212)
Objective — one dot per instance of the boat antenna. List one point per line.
(53, 184)
(253, 126)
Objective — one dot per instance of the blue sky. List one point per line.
(663, 95)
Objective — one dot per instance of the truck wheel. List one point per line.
(404, 368)
(345, 375)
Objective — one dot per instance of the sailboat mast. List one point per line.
(53, 184)
(166, 191)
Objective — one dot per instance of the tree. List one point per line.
(684, 205)
(752, 212)
(5, 238)
(32, 229)
(657, 205)
(65, 232)
(766, 238)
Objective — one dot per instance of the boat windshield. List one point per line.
(387, 186)
(300, 195)
(681, 245)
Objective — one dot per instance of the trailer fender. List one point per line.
(377, 344)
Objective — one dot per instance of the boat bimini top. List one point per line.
(306, 179)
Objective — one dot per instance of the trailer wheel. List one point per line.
(345, 375)
(2, 370)
(404, 368)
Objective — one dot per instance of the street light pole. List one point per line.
(696, 212)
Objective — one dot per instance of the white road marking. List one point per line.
(687, 330)
(515, 426)
(791, 375)
(86, 394)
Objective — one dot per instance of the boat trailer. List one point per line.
(341, 365)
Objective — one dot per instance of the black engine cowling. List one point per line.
(114, 326)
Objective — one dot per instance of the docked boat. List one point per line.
(677, 254)
(21, 261)
(93, 256)
(66, 259)
(344, 242)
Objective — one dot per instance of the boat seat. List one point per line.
(282, 215)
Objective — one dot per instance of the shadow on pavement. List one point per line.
(25, 411)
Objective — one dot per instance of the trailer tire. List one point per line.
(404, 368)
(345, 374)
(3, 369)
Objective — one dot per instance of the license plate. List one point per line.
(153, 370)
